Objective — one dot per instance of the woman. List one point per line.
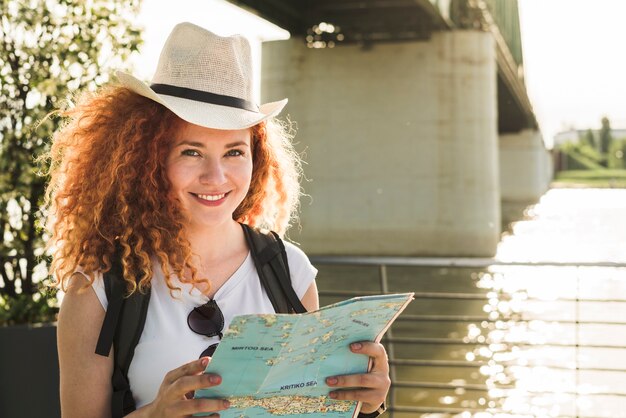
(167, 173)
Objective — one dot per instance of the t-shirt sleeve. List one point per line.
(302, 271)
(98, 287)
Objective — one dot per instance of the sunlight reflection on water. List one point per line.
(576, 225)
(513, 340)
(557, 347)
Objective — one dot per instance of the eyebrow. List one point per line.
(201, 145)
(191, 143)
(237, 144)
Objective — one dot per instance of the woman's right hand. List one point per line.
(172, 400)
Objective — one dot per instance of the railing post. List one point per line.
(384, 287)
(577, 344)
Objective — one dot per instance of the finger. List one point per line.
(191, 368)
(374, 350)
(369, 396)
(188, 384)
(369, 348)
(194, 406)
(362, 380)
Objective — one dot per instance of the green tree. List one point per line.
(617, 154)
(605, 136)
(48, 50)
(580, 156)
(589, 139)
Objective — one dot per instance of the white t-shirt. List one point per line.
(167, 342)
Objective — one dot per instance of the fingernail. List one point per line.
(204, 362)
(226, 404)
(332, 381)
(356, 346)
(333, 395)
(214, 379)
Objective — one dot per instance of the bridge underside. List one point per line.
(414, 118)
(331, 23)
(359, 21)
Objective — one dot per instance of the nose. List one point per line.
(212, 172)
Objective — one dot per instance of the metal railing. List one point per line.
(393, 342)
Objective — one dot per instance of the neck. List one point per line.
(217, 242)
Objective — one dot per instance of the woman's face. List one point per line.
(210, 172)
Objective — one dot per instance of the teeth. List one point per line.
(211, 197)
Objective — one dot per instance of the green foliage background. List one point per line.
(596, 160)
(49, 49)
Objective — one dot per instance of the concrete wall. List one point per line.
(400, 141)
(526, 170)
(525, 166)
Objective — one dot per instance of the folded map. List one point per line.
(275, 365)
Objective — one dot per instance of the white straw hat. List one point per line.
(206, 80)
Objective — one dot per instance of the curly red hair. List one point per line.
(109, 190)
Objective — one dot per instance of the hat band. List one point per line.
(204, 96)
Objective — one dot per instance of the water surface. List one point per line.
(518, 339)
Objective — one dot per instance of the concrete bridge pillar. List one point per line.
(526, 169)
(400, 142)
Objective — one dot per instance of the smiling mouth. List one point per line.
(210, 197)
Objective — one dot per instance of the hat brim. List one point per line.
(204, 114)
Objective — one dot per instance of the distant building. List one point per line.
(574, 135)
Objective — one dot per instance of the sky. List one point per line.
(574, 53)
(575, 62)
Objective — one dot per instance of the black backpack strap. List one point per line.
(270, 259)
(114, 290)
(280, 267)
(122, 327)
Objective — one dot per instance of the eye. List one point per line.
(234, 153)
(190, 152)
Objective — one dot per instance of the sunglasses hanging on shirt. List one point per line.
(207, 320)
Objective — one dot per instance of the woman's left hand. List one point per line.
(372, 387)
